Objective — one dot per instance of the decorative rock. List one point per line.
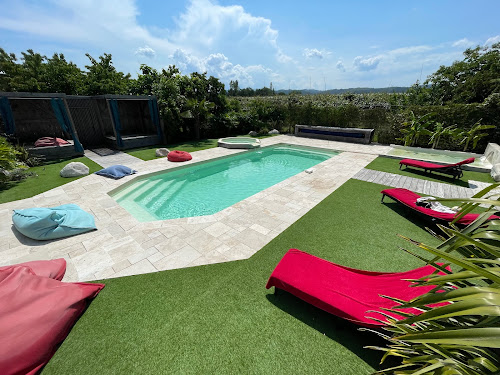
(253, 134)
(274, 131)
(74, 169)
(495, 172)
(160, 152)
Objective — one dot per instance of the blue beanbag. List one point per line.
(56, 222)
(116, 171)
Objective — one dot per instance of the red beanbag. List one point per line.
(54, 269)
(179, 156)
(36, 315)
(50, 141)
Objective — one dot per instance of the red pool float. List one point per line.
(179, 156)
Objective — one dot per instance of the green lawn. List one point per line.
(391, 165)
(47, 178)
(221, 319)
(148, 153)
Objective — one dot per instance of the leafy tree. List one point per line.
(471, 80)
(144, 84)
(9, 70)
(103, 78)
(472, 134)
(233, 88)
(63, 76)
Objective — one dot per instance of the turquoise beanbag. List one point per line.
(56, 222)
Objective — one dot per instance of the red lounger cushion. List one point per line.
(50, 141)
(36, 315)
(427, 165)
(54, 269)
(342, 291)
(409, 198)
(179, 156)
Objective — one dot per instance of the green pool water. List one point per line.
(437, 156)
(209, 187)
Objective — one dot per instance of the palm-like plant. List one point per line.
(439, 131)
(472, 134)
(458, 331)
(415, 127)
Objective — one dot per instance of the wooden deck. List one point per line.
(417, 185)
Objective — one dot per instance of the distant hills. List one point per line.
(356, 90)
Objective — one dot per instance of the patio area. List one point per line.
(122, 246)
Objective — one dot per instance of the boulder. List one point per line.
(160, 152)
(495, 172)
(74, 169)
(253, 134)
(274, 131)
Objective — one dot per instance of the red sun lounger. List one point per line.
(345, 292)
(452, 169)
(409, 199)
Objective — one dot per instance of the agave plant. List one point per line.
(458, 329)
(473, 135)
(439, 131)
(415, 127)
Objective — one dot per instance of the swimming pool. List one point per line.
(209, 187)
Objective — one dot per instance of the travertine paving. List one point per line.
(123, 246)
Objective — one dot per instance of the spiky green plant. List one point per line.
(473, 135)
(439, 131)
(415, 127)
(461, 334)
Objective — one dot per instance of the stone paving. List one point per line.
(122, 246)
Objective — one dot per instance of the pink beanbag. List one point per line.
(50, 141)
(179, 156)
(54, 269)
(36, 315)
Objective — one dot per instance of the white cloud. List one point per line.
(411, 50)
(145, 51)
(313, 53)
(463, 43)
(340, 66)
(218, 65)
(207, 27)
(492, 40)
(365, 64)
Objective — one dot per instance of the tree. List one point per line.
(103, 78)
(471, 80)
(63, 76)
(233, 88)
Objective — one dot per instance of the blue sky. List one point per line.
(293, 44)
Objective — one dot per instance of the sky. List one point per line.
(289, 44)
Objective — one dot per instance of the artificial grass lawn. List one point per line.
(391, 165)
(221, 319)
(148, 153)
(47, 178)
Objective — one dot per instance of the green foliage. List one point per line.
(458, 329)
(103, 78)
(471, 80)
(11, 168)
(473, 135)
(439, 131)
(415, 127)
